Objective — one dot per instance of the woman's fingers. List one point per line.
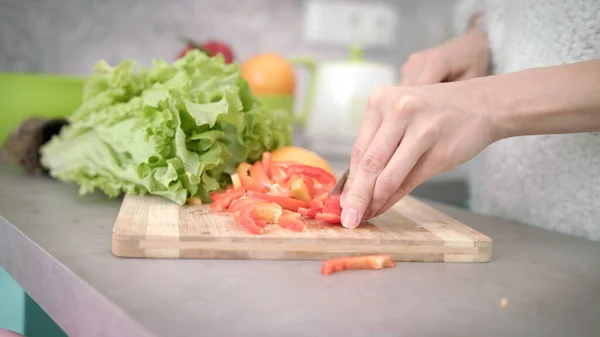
(372, 120)
(414, 144)
(358, 194)
(423, 68)
(427, 166)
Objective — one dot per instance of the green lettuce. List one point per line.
(174, 130)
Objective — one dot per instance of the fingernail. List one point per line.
(349, 218)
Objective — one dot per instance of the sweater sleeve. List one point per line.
(464, 12)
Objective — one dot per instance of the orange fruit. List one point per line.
(269, 74)
(300, 155)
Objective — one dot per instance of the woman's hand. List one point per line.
(461, 58)
(408, 135)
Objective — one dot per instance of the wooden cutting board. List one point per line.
(154, 227)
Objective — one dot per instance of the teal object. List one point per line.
(12, 304)
(24, 95)
(38, 323)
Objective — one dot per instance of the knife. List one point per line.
(339, 185)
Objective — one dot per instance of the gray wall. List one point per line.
(68, 36)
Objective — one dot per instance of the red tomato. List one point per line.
(329, 217)
(292, 221)
(248, 182)
(378, 261)
(286, 203)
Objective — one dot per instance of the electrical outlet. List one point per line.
(367, 23)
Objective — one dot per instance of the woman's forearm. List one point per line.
(551, 100)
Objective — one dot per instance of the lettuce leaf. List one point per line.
(174, 130)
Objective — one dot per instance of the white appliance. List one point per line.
(336, 100)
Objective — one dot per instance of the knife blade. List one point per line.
(339, 185)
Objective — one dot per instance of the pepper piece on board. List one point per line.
(378, 261)
(255, 216)
(258, 174)
(329, 218)
(286, 203)
(266, 162)
(248, 182)
(307, 212)
(299, 189)
(238, 204)
(292, 221)
(322, 176)
(223, 201)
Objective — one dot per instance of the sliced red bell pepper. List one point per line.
(258, 174)
(315, 204)
(299, 189)
(378, 261)
(255, 216)
(286, 203)
(223, 201)
(248, 182)
(329, 218)
(277, 189)
(238, 204)
(317, 173)
(332, 202)
(292, 221)
(329, 210)
(277, 173)
(307, 212)
(321, 196)
(266, 161)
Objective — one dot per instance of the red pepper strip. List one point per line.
(310, 185)
(277, 173)
(277, 189)
(225, 200)
(321, 197)
(286, 203)
(309, 213)
(317, 173)
(247, 181)
(292, 221)
(329, 218)
(327, 209)
(259, 175)
(256, 216)
(238, 204)
(247, 221)
(333, 201)
(266, 162)
(217, 194)
(315, 204)
(357, 262)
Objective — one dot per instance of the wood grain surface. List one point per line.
(154, 227)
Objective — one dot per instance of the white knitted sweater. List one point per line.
(550, 181)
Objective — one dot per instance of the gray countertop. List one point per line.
(57, 246)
